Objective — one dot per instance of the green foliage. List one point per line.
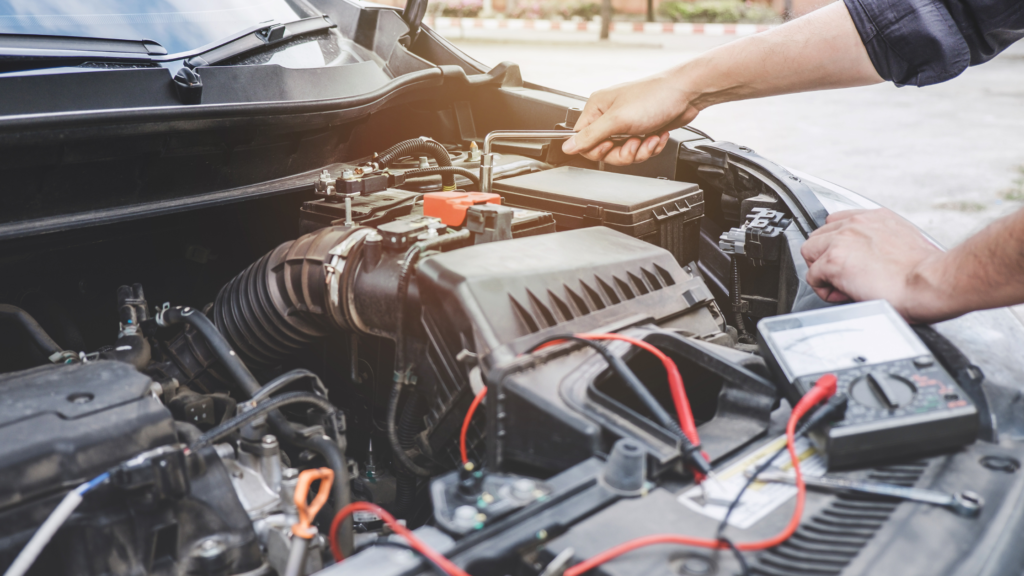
(526, 9)
(715, 11)
(582, 10)
(1015, 193)
(457, 8)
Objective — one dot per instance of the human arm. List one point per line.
(875, 254)
(845, 44)
(819, 51)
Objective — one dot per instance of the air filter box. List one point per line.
(662, 212)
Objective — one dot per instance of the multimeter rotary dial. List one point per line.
(882, 390)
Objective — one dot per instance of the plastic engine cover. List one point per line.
(575, 280)
(62, 425)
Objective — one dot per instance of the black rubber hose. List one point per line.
(40, 338)
(225, 429)
(417, 147)
(408, 426)
(334, 457)
(133, 349)
(414, 147)
(287, 378)
(402, 367)
(405, 494)
(187, 432)
(412, 256)
(328, 449)
(218, 344)
(445, 171)
(396, 445)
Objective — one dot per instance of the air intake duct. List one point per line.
(282, 302)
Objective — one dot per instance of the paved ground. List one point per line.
(949, 157)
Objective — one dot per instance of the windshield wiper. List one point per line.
(254, 38)
(15, 47)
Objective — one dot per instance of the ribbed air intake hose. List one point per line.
(419, 147)
(281, 303)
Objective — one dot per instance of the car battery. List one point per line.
(662, 212)
(391, 204)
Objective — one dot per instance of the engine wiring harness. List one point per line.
(824, 390)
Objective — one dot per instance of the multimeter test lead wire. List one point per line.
(822, 390)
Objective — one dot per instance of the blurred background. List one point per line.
(948, 157)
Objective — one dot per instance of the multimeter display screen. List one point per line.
(834, 339)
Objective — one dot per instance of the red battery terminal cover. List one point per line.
(451, 207)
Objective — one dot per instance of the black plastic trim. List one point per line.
(807, 209)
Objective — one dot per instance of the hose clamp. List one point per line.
(334, 269)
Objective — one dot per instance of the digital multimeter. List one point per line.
(902, 402)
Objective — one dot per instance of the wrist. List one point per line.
(693, 82)
(930, 293)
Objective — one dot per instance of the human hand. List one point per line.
(651, 106)
(875, 254)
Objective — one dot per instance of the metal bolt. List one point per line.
(523, 488)
(424, 162)
(348, 210)
(211, 548)
(290, 473)
(270, 441)
(464, 516)
(348, 175)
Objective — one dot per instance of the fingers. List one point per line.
(589, 137)
(662, 142)
(815, 246)
(649, 147)
(844, 215)
(822, 273)
(599, 153)
(831, 295)
(625, 154)
(633, 151)
(591, 111)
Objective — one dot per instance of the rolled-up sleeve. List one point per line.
(923, 42)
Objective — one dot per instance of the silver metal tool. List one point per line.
(487, 160)
(964, 503)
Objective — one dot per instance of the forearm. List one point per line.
(986, 271)
(816, 52)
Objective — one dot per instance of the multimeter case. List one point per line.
(939, 416)
(663, 212)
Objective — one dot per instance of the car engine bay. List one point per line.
(428, 320)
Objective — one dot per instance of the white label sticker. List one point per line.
(364, 517)
(714, 498)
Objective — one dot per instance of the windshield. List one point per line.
(178, 25)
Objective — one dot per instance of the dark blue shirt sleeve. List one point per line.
(923, 42)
